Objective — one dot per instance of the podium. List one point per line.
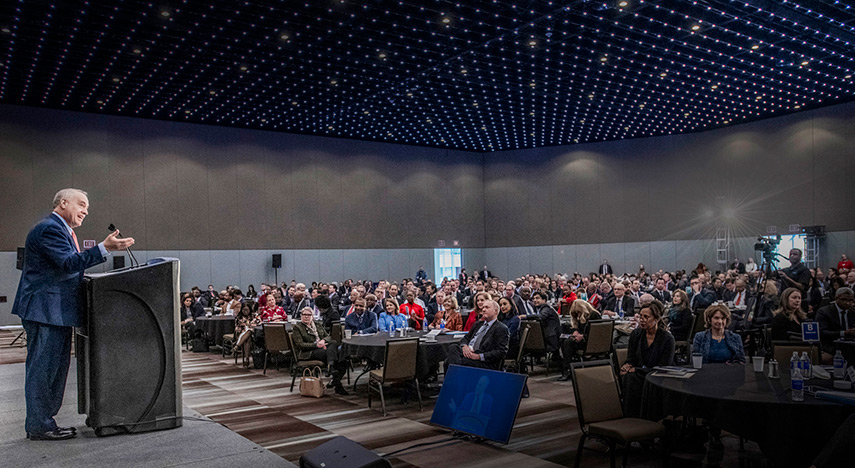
(129, 348)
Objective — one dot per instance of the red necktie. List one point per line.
(74, 237)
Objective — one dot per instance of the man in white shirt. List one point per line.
(485, 345)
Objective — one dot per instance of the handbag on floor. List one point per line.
(312, 385)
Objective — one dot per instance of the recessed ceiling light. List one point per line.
(532, 43)
(99, 102)
(333, 82)
(284, 36)
(244, 68)
(382, 55)
(695, 27)
(116, 79)
(164, 13)
(805, 63)
(446, 20)
(187, 111)
(212, 92)
(847, 76)
(136, 50)
(755, 47)
(5, 30)
(623, 4)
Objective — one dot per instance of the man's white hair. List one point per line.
(67, 194)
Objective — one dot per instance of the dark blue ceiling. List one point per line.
(471, 75)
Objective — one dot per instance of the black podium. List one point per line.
(128, 350)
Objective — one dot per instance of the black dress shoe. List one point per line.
(564, 378)
(339, 390)
(71, 429)
(56, 434)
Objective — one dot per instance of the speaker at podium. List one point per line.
(129, 348)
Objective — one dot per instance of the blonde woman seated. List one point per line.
(581, 313)
(789, 316)
(717, 343)
(270, 312)
(391, 317)
(312, 342)
(453, 320)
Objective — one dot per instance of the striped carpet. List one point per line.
(9, 353)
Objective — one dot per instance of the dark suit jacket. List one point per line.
(662, 296)
(368, 325)
(485, 274)
(551, 325)
(705, 299)
(296, 306)
(521, 305)
(660, 353)
(830, 326)
(493, 345)
(50, 289)
(628, 305)
(304, 342)
(605, 268)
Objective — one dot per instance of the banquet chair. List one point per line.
(242, 347)
(536, 344)
(516, 362)
(782, 351)
(297, 364)
(683, 347)
(598, 343)
(275, 342)
(337, 334)
(400, 367)
(601, 417)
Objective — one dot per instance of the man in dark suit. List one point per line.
(485, 274)
(48, 304)
(605, 268)
(738, 266)
(523, 301)
(661, 293)
(701, 297)
(549, 321)
(620, 303)
(361, 321)
(485, 345)
(837, 320)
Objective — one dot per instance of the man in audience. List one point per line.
(299, 301)
(198, 298)
(229, 305)
(523, 301)
(660, 292)
(729, 290)
(361, 320)
(211, 295)
(485, 345)
(701, 298)
(850, 279)
(549, 321)
(605, 268)
(485, 274)
(371, 304)
(738, 266)
(837, 320)
(346, 307)
(845, 265)
(421, 276)
(635, 291)
(797, 275)
(620, 303)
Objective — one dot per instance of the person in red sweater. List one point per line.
(845, 264)
(413, 311)
(475, 314)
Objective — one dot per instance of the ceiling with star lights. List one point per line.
(480, 76)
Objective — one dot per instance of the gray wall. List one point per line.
(796, 169)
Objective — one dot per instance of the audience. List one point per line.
(837, 320)
(789, 316)
(271, 312)
(361, 320)
(485, 345)
(650, 345)
(312, 342)
(509, 315)
(680, 316)
(448, 316)
(581, 313)
(717, 343)
(391, 318)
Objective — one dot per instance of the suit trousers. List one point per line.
(455, 356)
(48, 358)
(332, 358)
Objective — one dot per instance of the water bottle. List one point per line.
(794, 362)
(425, 325)
(392, 329)
(797, 385)
(442, 324)
(839, 365)
(805, 365)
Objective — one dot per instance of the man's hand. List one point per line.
(113, 242)
(469, 354)
(850, 332)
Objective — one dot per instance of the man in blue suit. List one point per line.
(49, 304)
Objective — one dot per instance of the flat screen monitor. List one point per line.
(479, 402)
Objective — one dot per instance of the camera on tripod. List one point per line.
(768, 246)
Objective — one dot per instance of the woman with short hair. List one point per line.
(718, 344)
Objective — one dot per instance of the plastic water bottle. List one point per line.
(425, 325)
(797, 385)
(442, 324)
(794, 362)
(805, 365)
(839, 365)
(392, 330)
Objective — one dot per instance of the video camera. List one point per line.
(768, 246)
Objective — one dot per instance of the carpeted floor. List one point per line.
(12, 353)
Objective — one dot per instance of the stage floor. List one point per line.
(199, 442)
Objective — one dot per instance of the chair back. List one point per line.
(698, 325)
(535, 341)
(621, 355)
(600, 335)
(596, 389)
(276, 338)
(526, 329)
(782, 351)
(400, 359)
(564, 309)
(695, 319)
(337, 332)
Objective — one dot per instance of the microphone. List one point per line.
(134, 262)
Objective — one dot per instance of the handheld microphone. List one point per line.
(134, 262)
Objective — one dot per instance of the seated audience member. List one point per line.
(271, 312)
(190, 311)
(789, 316)
(717, 343)
(230, 305)
(371, 304)
(475, 313)
(761, 314)
(245, 320)
(619, 304)
(680, 316)
(567, 295)
(312, 342)
(523, 301)
(661, 293)
(414, 312)
(594, 297)
(361, 321)
(649, 346)
(329, 315)
(701, 297)
(581, 313)
(837, 320)
(550, 323)
(812, 297)
(299, 300)
(509, 315)
(449, 315)
(391, 317)
(485, 345)
(345, 307)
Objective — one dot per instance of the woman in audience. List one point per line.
(329, 314)
(452, 318)
(510, 316)
(391, 316)
(813, 296)
(718, 344)
(312, 342)
(680, 316)
(765, 310)
(271, 312)
(475, 314)
(190, 310)
(245, 320)
(789, 316)
(650, 345)
(581, 313)
(593, 298)
(251, 293)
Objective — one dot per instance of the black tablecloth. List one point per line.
(847, 348)
(215, 327)
(373, 348)
(749, 404)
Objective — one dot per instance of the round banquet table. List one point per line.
(373, 348)
(216, 327)
(847, 348)
(749, 404)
